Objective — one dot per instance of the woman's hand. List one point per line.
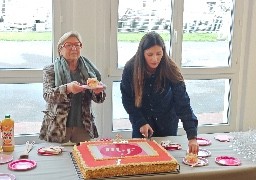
(193, 146)
(98, 90)
(146, 131)
(101, 88)
(74, 87)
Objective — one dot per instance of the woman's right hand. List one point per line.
(74, 87)
(146, 131)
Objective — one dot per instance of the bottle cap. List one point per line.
(7, 116)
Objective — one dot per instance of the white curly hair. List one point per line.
(67, 35)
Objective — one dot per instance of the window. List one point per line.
(26, 47)
(108, 34)
(200, 37)
(24, 103)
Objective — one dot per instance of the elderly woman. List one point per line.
(69, 116)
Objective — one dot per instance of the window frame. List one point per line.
(21, 75)
(110, 73)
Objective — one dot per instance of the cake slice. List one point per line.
(92, 82)
(191, 158)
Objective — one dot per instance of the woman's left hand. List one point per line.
(98, 90)
(74, 87)
(193, 146)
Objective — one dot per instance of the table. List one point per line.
(61, 166)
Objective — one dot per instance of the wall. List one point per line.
(248, 73)
(95, 42)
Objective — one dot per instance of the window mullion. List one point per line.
(177, 30)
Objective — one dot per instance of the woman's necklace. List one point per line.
(150, 72)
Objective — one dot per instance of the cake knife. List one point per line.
(148, 137)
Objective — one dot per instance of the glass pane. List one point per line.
(25, 33)
(25, 103)
(135, 18)
(208, 100)
(120, 117)
(206, 33)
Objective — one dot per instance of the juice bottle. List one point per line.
(1, 139)
(8, 134)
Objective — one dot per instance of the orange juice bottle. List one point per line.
(1, 139)
(8, 134)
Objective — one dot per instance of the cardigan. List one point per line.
(53, 127)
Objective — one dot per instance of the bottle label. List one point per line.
(8, 136)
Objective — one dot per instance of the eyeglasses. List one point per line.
(69, 45)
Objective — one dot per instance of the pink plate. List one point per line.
(203, 141)
(22, 165)
(173, 147)
(223, 138)
(201, 162)
(42, 152)
(5, 158)
(227, 161)
(168, 145)
(5, 176)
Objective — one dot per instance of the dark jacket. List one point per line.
(162, 110)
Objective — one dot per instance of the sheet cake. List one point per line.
(99, 159)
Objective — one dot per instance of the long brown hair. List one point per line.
(167, 68)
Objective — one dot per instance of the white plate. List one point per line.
(5, 176)
(203, 141)
(201, 162)
(223, 138)
(204, 153)
(97, 87)
(5, 158)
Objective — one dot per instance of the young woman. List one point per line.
(154, 93)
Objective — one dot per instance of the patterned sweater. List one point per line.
(53, 127)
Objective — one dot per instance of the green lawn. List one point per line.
(129, 37)
(25, 36)
(135, 37)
